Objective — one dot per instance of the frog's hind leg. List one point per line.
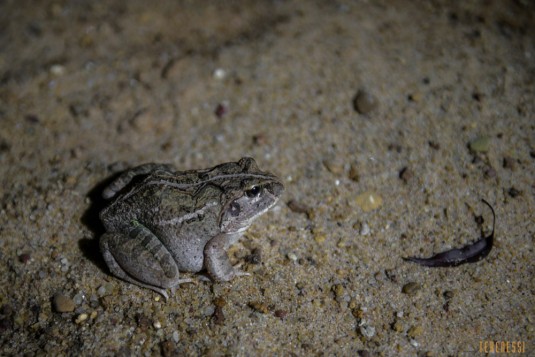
(126, 177)
(140, 258)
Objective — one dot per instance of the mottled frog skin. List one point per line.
(161, 221)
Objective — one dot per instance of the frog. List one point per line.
(161, 222)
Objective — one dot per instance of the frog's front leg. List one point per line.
(126, 177)
(139, 257)
(216, 259)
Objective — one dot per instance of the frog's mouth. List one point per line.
(241, 211)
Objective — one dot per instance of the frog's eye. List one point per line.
(253, 191)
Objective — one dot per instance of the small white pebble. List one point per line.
(64, 261)
(292, 257)
(399, 314)
(220, 73)
(101, 290)
(157, 325)
(414, 343)
(157, 298)
(176, 336)
(57, 69)
(364, 229)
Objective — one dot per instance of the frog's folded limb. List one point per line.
(141, 255)
(216, 259)
(126, 177)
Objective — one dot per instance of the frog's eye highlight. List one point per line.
(253, 191)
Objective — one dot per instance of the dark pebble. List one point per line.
(24, 258)
(259, 139)
(513, 192)
(168, 348)
(32, 119)
(4, 146)
(364, 102)
(509, 163)
(448, 295)
(143, 322)
(255, 257)
(218, 316)
(281, 314)
(220, 110)
(434, 145)
(405, 174)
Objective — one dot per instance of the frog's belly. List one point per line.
(186, 245)
(188, 254)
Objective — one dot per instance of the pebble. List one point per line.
(101, 291)
(79, 298)
(367, 331)
(509, 163)
(405, 174)
(364, 102)
(415, 331)
(259, 307)
(397, 326)
(219, 316)
(513, 192)
(157, 324)
(448, 295)
(62, 303)
(320, 237)
(298, 207)
(221, 110)
(292, 257)
(175, 336)
(24, 258)
(338, 290)
(354, 173)
(220, 73)
(255, 257)
(369, 201)
(411, 288)
(219, 302)
(480, 145)
(57, 69)
(281, 314)
(81, 318)
(364, 229)
(334, 167)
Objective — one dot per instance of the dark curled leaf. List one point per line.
(468, 254)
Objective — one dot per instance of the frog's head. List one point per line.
(248, 195)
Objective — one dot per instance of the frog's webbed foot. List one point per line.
(140, 258)
(216, 260)
(126, 177)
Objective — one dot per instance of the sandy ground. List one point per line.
(88, 89)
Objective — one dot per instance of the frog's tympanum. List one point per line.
(161, 221)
